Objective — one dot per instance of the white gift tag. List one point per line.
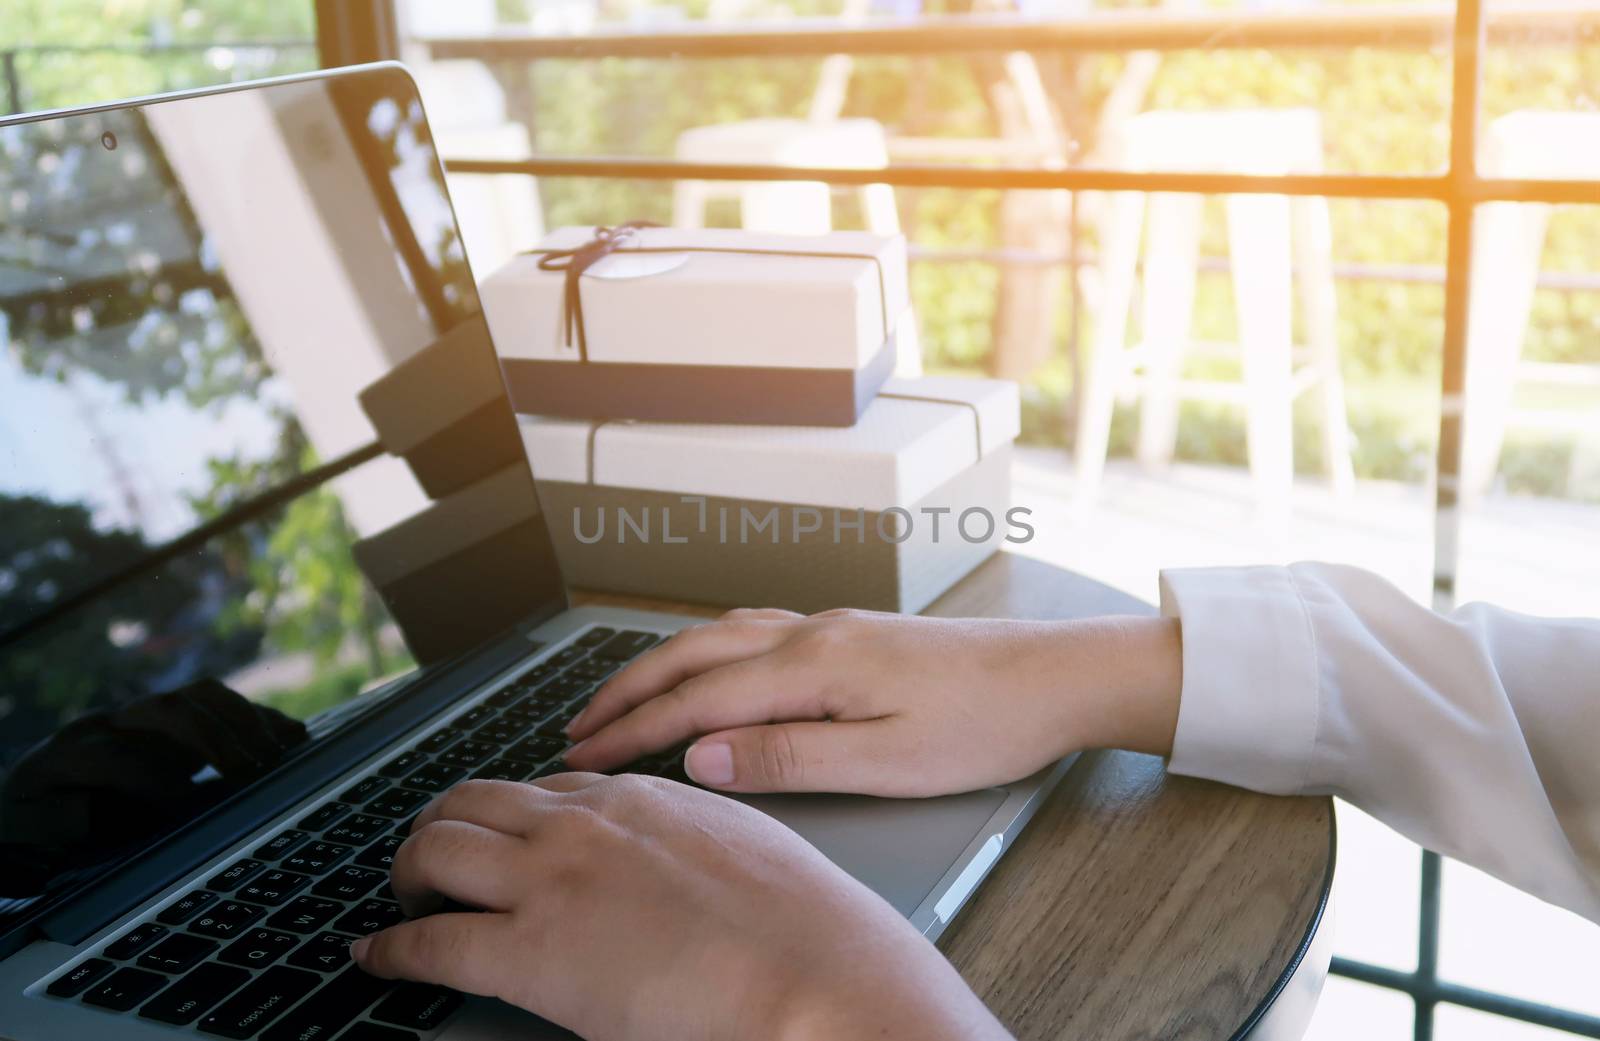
(619, 266)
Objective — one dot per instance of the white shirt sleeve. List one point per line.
(1476, 734)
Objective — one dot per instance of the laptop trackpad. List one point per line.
(899, 847)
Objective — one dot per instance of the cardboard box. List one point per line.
(702, 325)
(886, 515)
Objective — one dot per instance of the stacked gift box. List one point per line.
(712, 416)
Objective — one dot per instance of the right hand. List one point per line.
(634, 908)
(884, 704)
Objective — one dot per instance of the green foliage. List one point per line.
(64, 77)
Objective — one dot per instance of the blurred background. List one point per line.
(1207, 378)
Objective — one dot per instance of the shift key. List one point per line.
(335, 1005)
(261, 1002)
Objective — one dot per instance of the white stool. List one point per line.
(791, 207)
(1269, 236)
(1508, 238)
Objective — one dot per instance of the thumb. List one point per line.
(798, 757)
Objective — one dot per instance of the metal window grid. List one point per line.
(1459, 188)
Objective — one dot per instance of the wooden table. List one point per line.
(1137, 904)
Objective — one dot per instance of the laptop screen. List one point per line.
(256, 461)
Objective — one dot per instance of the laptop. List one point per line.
(273, 574)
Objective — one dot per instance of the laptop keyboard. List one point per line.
(261, 949)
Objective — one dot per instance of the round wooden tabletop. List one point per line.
(1138, 904)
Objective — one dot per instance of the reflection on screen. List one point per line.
(244, 394)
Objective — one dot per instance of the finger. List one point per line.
(573, 781)
(505, 806)
(465, 952)
(689, 653)
(852, 757)
(454, 859)
(763, 690)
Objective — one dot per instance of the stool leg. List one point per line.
(1313, 247)
(1258, 236)
(877, 205)
(1171, 260)
(1507, 240)
(1119, 255)
(689, 204)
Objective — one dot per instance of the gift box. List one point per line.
(886, 514)
(443, 411)
(699, 325)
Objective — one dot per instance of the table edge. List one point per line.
(1298, 960)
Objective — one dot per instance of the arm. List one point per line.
(1476, 734)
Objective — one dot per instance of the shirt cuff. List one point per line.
(1248, 714)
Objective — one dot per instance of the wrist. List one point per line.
(1119, 681)
(897, 991)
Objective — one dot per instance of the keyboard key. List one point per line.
(261, 1002)
(258, 947)
(358, 829)
(180, 911)
(596, 636)
(324, 815)
(437, 741)
(78, 977)
(183, 1002)
(624, 645)
(177, 953)
(348, 883)
(317, 858)
(472, 717)
(595, 670)
(135, 940)
(537, 749)
(500, 731)
(229, 879)
(306, 914)
(502, 697)
(369, 917)
(555, 727)
(403, 764)
(504, 769)
(364, 789)
(380, 854)
(344, 998)
(467, 753)
(435, 777)
(280, 844)
(417, 1006)
(397, 802)
(274, 887)
(226, 920)
(324, 952)
(375, 1032)
(124, 989)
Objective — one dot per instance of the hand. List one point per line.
(636, 908)
(884, 704)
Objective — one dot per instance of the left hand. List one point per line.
(635, 908)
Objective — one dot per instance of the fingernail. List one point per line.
(710, 763)
(359, 948)
(575, 720)
(573, 749)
